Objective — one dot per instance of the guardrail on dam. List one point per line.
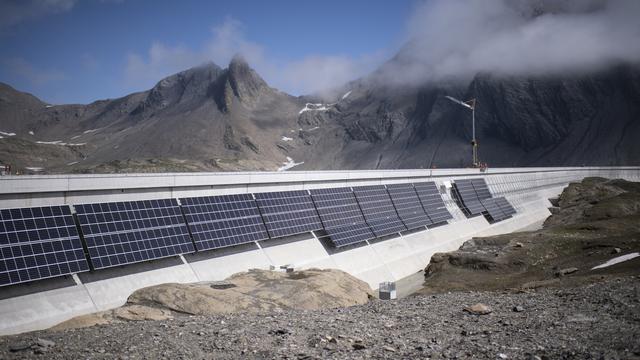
(42, 303)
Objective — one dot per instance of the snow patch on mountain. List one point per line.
(289, 164)
(59, 142)
(617, 260)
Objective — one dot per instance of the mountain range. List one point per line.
(210, 118)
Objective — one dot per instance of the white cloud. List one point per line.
(161, 61)
(464, 37)
(13, 12)
(310, 74)
(323, 73)
(445, 39)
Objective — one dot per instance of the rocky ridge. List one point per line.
(210, 118)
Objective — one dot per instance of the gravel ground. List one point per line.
(598, 321)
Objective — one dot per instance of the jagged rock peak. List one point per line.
(206, 73)
(245, 82)
(190, 85)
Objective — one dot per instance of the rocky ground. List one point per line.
(599, 321)
(532, 295)
(596, 221)
(254, 291)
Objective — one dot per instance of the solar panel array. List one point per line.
(39, 243)
(341, 216)
(406, 201)
(475, 198)
(378, 210)
(288, 212)
(467, 195)
(120, 233)
(432, 202)
(225, 220)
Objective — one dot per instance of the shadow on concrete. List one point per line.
(441, 224)
(36, 286)
(216, 253)
(383, 238)
(330, 248)
(285, 240)
(123, 270)
(413, 231)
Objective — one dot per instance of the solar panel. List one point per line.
(432, 202)
(481, 188)
(378, 210)
(505, 206)
(495, 212)
(225, 220)
(337, 206)
(39, 243)
(465, 190)
(341, 216)
(288, 212)
(119, 233)
(476, 198)
(406, 201)
(349, 234)
(469, 197)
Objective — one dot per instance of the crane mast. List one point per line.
(471, 105)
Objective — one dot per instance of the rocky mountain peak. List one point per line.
(189, 85)
(198, 77)
(243, 80)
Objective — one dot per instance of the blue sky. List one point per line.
(68, 51)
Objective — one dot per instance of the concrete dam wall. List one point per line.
(43, 303)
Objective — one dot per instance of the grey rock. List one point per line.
(518, 309)
(19, 346)
(45, 343)
(567, 271)
(478, 309)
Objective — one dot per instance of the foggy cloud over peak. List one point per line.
(459, 38)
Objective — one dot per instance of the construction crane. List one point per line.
(470, 104)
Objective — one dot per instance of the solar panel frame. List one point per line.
(432, 202)
(408, 205)
(127, 232)
(288, 213)
(39, 243)
(223, 220)
(378, 210)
